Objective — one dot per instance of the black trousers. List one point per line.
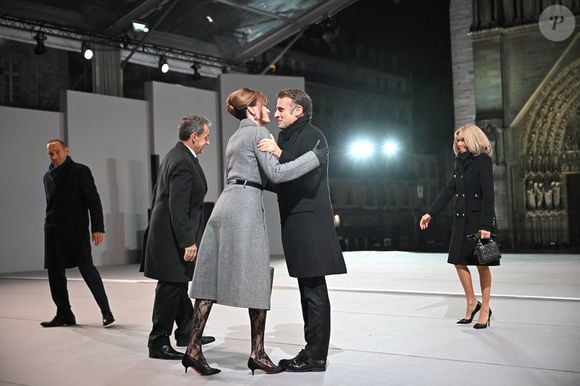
(59, 292)
(171, 304)
(316, 314)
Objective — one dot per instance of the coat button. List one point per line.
(475, 195)
(456, 194)
(457, 214)
(463, 195)
(461, 176)
(462, 214)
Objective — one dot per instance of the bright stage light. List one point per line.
(87, 51)
(362, 149)
(139, 27)
(163, 65)
(390, 148)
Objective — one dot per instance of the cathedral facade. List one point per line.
(521, 85)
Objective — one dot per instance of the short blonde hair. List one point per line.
(475, 140)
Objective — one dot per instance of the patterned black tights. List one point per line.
(258, 326)
(201, 310)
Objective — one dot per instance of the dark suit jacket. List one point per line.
(471, 184)
(67, 241)
(310, 242)
(176, 217)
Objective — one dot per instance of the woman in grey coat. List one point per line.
(232, 266)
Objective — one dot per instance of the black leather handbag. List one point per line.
(487, 251)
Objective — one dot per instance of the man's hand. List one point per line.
(98, 238)
(270, 145)
(190, 253)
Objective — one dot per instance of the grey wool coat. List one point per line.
(233, 260)
(176, 218)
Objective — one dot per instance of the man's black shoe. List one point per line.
(164, 352)
(302, 363)
(204, 340)
(60, 320)
(108, 319)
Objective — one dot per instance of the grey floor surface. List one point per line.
(393, 323)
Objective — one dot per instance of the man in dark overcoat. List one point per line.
(310, 242)
(173, 236)
(71, 195)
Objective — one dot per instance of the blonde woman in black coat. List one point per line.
(472, 186)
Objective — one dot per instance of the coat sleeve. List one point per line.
(442, 198)
(281, 172)
(487, 194)
(92, 199)
(306, 142)
(180, 186)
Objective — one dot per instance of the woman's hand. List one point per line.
(425, 220)
(483, 234)
(190, 253)
(270, 145)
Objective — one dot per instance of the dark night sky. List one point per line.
(418, 32)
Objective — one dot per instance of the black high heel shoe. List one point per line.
(198, 366)
(255, 365)
(484, 325)
(475, 311)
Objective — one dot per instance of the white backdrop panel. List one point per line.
(269, 85)
(23, 137)
(168, 103)
(109, 134)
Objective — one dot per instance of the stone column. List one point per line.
(460, 18)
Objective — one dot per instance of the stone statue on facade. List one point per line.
(539, 192)
(556, 194)
(548, 203)
(530, 196)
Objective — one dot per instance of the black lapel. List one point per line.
(200, 170)
(195, 161)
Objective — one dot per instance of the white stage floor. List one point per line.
(393, 323)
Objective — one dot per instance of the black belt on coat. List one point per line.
(246, 182)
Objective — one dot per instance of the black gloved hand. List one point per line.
(321, 153)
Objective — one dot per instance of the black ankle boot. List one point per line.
(60, 320)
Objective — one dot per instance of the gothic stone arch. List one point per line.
(547, 158)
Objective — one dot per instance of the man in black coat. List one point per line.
(310, 242)
(173, 236)
(71, 195)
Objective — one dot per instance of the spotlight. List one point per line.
(40, 47)
(390, 148)
(138, 26)
(87, 51)
(163, 65)
(362, 149)
(195, 67)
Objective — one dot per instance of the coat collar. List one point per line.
(295, 127)
(181, 146)
(247, 123)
